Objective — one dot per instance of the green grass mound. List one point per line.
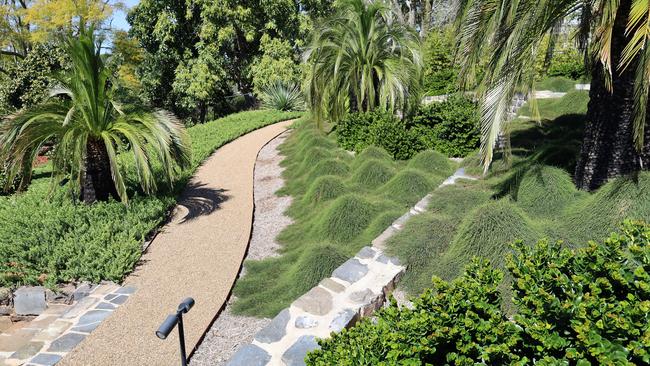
(487, 233)
(459, 199)
(602, 211)
(328, 167)
(323, 189)
(556, 84)
(346, 218)
(574, 102)
(421, 243)
(408, 187)
(280, 280)
(432, 162)
(545, 191)
(372, 152)
(373, 173)
(307, 162)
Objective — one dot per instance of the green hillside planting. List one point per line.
(340, 203)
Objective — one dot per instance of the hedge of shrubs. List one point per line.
(451, 127)
(588, 306)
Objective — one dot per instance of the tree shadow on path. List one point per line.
(198, 200)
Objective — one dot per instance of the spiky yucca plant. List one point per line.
(283, 97)
(90, 128)
(615, 38)
(362, 59)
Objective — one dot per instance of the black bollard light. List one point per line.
(176, 319)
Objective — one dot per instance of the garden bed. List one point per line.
(47, 238)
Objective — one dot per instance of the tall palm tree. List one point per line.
(360, 60)
(615, 38)
(90, 129)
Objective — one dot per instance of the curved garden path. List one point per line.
(198, 254)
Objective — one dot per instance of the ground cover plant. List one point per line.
(531, 197)
(587, 306)
(340, 203)
(47, 238)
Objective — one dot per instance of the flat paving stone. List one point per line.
(250, 355)
(14, 341)
(362, 297)
(79, 308)
(46, 359)
(295, 355)
(27, 351)
(110, 296)
(30, 300)
(105, 306)
(53, 331)
(66, 342)
(127, 290)
(276, 329)
(88, 328)
(351, 271)
(317, 301)
(93, 316)
(305, 322)
(367, 253)
(342, 320)
(386, 260)
(119, 300)
(332, 285)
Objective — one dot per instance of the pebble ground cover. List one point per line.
(340, 203)
(534, 199)
(45, 237)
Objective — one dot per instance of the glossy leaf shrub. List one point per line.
(588, 306)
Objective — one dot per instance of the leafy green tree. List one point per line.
(90, 129)
(277, 64)
(440, 71)
(360, 59)
(614, 38)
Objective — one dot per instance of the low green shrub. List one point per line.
(451, 127)
(359, 130)
(573, 307)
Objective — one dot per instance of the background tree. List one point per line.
(361, 61)
(614, 36)
(90, 129)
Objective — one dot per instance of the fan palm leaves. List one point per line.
(511, 32)
(361, 60)
(90, 129)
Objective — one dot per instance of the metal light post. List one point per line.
(168, 325)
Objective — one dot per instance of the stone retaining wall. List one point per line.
(356, 289)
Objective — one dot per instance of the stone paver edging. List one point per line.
(46, 339)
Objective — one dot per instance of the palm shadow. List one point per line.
(199, 200)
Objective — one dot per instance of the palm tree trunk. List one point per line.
(97, 182)
(607, 148)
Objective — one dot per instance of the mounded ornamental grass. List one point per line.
(531, 199)
(47, 238)
(556, 84)
(336, 211)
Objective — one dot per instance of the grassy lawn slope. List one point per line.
(533, 198)
(340, 204)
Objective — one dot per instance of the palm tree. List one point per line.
(615, 38)
(89, 129)
(360, 60)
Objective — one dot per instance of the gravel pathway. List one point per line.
(198, 254)
(230, 331)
